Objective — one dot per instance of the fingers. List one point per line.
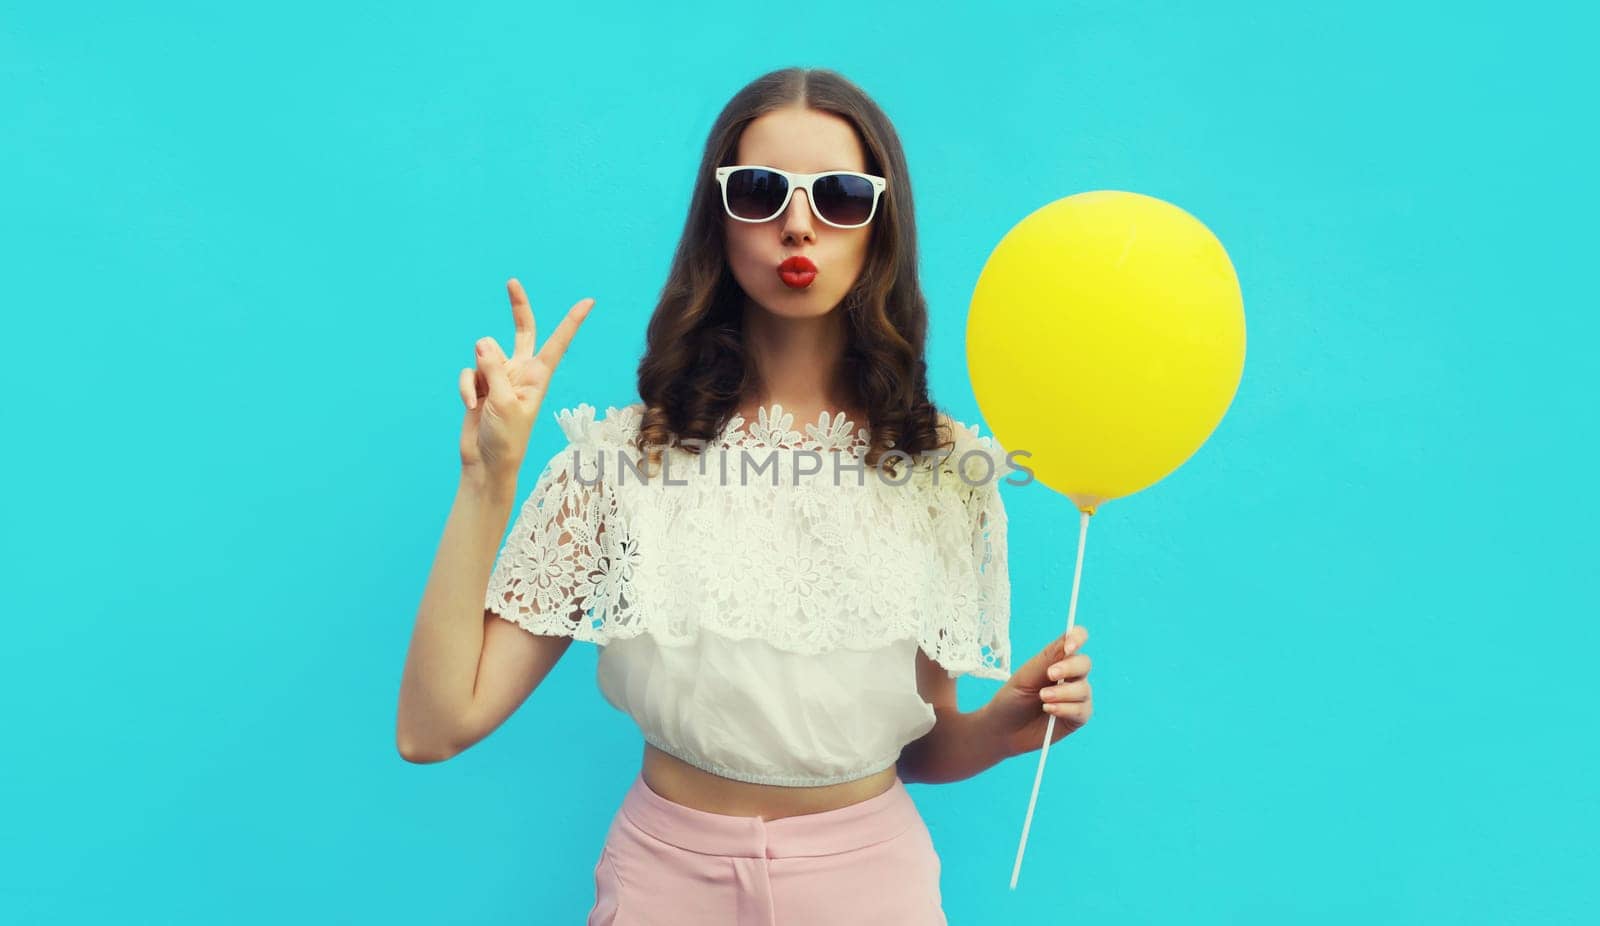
(1066, 691)
(522, 316)
(494, 376)
(1062, 647)
(555, 346)
(1073, 667)
(492, 367)
(1077, 711)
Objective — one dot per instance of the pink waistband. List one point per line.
(829, 832)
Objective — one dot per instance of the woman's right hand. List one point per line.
(503, 394)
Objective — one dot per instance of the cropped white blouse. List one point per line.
(760, 605)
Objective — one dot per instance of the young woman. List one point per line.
(786, 552)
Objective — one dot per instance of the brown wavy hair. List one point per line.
(694, 371)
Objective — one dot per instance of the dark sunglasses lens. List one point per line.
(844, 199)
(755, 194)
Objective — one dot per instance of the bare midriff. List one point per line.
(682, 783)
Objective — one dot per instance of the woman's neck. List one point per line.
(798, 364)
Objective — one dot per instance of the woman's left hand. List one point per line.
(1056, 681)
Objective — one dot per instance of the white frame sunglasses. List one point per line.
(798, 181)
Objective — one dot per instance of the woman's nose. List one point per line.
(797, 221)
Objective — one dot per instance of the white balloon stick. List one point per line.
(1050, 727)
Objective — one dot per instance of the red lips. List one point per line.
(797, 272)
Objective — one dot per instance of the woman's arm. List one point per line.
(467, 670)
(959, 746)
(465, 673)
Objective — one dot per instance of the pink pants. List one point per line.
(665, 864)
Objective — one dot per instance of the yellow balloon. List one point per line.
(1106, 339)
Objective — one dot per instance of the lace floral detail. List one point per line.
(807, 565)
(838, 433)
(773, 430)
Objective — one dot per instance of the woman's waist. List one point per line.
(683, 783)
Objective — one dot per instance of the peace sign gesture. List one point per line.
(503, 394)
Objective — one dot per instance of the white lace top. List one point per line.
(764, 626)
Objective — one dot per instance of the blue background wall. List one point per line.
(1343, 657)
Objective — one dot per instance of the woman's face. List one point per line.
(805, 141)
